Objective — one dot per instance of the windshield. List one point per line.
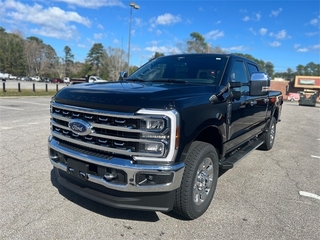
(202, 69)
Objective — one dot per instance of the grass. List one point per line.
(26, 93)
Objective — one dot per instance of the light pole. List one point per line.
(135, 6)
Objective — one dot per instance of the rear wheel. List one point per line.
(199, 181)
(269, 136)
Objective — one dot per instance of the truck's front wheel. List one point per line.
(199, 181)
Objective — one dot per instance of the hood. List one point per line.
(129, 97)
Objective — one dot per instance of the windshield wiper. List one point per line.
(169, 80)
(135, 80)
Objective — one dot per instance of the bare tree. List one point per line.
(115, 62)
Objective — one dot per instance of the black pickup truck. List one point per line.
(157, 139)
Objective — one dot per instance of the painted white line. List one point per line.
(11, 108)
(307, 194)
(5, 128)
(43, 104)
(315, 156)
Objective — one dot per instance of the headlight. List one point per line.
(160, 134)
(153, 124)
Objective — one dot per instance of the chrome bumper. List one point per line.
(131, 169)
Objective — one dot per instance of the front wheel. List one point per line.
(199, 181)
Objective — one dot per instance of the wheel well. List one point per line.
(211, 135)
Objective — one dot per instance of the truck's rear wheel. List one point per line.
(199, 181)
(269, 136)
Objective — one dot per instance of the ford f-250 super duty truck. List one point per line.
(156, 140)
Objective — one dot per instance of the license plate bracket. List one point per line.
(77, 168)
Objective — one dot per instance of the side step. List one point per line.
(229, 162)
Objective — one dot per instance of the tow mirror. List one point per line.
(123, 75)
(259, 84)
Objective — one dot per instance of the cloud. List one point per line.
(246, 18)
(280, 35)
(302, 50)
(314, 22)
(263, 31)
(275, 13)
(98, 36)
(316, 46)
(235, 48)
(165, 19)
(163, 49)
(297, 45)
(44, 20)
(253, 32)
(306, 49)
(256, 17)
(100, 26)
(214, 34)
(275, 44)
(93, 3)
(310, 34)
(81, 45)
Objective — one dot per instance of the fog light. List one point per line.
(152, 147)
(144, 178)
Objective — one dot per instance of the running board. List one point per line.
(229, 162)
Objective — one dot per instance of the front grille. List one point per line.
(111, 133)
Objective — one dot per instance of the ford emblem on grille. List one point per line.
(80, 127)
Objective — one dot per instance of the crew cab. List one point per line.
(157, 139)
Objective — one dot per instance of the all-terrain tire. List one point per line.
(269, 136)
(199, 181)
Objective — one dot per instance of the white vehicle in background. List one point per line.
(4, 76)
(96, 79)
(36, 78)
(66, 80)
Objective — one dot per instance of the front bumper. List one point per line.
(115, 181)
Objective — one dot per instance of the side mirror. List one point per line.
(259, 84)
(123, 75)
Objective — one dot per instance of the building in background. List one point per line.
(299, 84)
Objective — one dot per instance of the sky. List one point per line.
(286, 33)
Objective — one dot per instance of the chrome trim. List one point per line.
(103, 148)
(127, 166)
(93, 134)
(174, 116)
(104, 126)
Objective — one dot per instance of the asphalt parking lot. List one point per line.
(267, 195)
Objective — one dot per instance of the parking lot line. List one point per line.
(42, 104)
(307, 194)
(19, 109)
(315, 156)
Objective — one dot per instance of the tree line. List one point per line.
(32, 57)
